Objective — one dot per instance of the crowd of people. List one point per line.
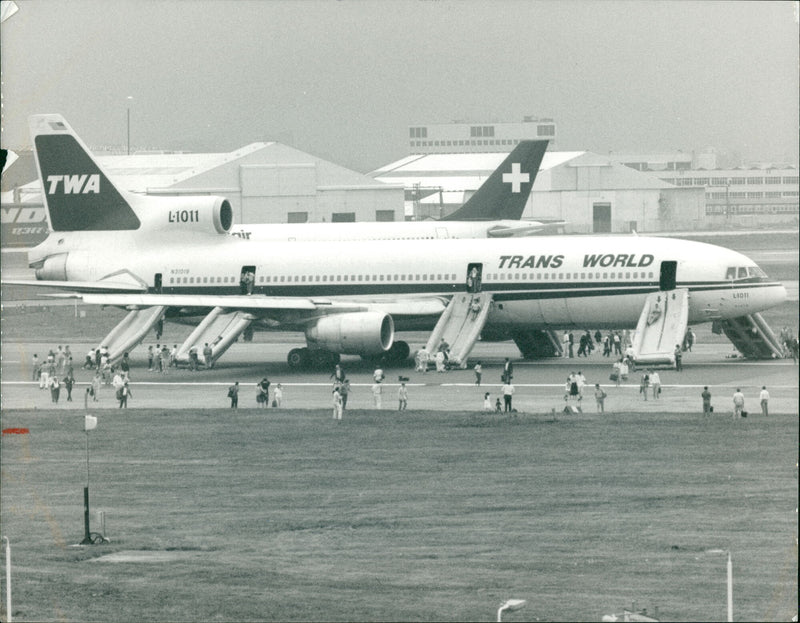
(56, 374)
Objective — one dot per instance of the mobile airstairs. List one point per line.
(131, 331)
(219, 329)
(752, 337)
(662, 326)
(460, 325)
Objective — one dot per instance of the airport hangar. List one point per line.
(274, 183)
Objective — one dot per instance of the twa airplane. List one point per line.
(492, 212)
(172, 257)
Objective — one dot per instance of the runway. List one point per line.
(539, 385)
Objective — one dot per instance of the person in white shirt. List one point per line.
(655, 381)
(738, 403)
(508, 392)
(377, 389)
(764, 398)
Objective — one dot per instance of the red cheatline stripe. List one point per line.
(15, 431)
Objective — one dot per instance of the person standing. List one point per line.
(377, 389)
(150, 357)
(706, 396)
(764, 398)
(600, 397)
(55, 388)
(678, 358)
(262, 398)
(508, 393)
(124, 394)
(344, 391)
(508, 371)
(738, 403)
(655, 381)
(337, 404)
(422, 360)
(487, 402)
(402, 396)
(478, 370)
(233, 394)
(565, 344)
(36, 369)
(643, 383)
(69, 383)
(278, 399)
(208, 356)
(96, 383)
(338, 375)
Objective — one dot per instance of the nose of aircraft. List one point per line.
(776, 295)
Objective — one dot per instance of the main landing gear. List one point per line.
(302, 358)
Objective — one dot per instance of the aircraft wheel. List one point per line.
(323, 358)
(298, 358)
(399, 351)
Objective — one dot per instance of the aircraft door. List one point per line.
(157, 283)
(247, 279)
(667, 277)
(474, 278)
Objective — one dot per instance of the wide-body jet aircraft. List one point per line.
(173, 257)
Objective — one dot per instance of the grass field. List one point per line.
(243, 516)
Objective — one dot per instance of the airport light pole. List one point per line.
(8, 579)
(510, 605)
(730, 578)
(89, 423)
(130, 98)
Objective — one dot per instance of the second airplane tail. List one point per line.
(77, 193)
(504, 194)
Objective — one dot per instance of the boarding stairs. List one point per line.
(219, 329)
(460, 325)
(752, 336)
(661, 326)
(131, 331)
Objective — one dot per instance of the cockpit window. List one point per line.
(743, 272)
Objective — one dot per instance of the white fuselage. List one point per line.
(539, 282)
(400, 230)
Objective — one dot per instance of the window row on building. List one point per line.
(731, 181)
(503, 141)
(718, 208)
(754, 194)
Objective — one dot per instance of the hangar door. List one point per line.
(601, 218)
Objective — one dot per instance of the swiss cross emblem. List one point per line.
(516, 178)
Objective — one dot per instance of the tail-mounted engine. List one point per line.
(204, 214)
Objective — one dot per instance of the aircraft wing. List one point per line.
(314, 306)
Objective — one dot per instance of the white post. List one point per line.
(730, 588)
(8, 579)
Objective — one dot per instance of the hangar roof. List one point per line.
(464, 173)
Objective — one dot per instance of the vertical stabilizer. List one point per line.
(505, 193)
(78, 195)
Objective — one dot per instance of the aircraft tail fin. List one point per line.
(78, 195)
(504, 194)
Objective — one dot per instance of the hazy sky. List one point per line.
(343, 80)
